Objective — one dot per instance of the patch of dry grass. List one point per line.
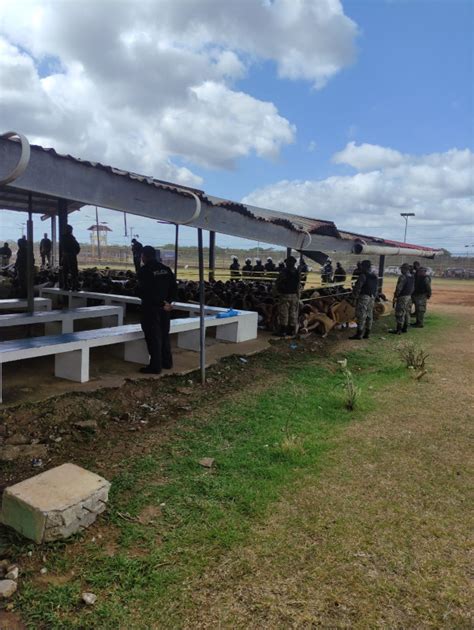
(381, 537)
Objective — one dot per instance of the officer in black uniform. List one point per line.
(70, 249)
(137, 249)
(247, 268)
(235, 268)
(157, 289)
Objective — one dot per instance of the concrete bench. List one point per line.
(80, 298)
(61, 322)
(18, 304)
(72, 350)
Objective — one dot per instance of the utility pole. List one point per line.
(125, 224)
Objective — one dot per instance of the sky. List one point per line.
(350, 111)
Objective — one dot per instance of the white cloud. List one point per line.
(438, 187)
(137, 83)
(365, 157)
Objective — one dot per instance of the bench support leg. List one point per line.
(189, 340)
(1, 383)
(112, 320)
(242, 330)
(54, 328)
(77, 302)
(136, 352)
(73, 366)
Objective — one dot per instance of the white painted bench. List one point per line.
(61, 322)
(80, 298)
(19, 304)
(72, 350)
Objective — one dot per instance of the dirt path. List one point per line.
(381, 537)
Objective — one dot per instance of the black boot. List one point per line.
(290, 331)
(366, 334)
(358, 334)
(397, 330)
(405, 328)
(281, 332)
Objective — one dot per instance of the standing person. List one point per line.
(365, 291)
(357, 271)
(70, 249)
(247, 268)
(421, 294)
(5, 255)
(327, 273)
(45, 250)
(340, 273)
(270, 265)
(137, 249)
(258, 269)
(303, 269)
(234, 267)
(21, 267)
(287, 286)
(402, 299)
(157, 289)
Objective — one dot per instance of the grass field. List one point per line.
(312, 515)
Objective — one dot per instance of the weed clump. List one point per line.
(352, 392)
(413, 356)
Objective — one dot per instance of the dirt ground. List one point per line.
(381, 539)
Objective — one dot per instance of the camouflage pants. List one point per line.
(365, 312)
(420, 307)
(402, 310)
(288, 311)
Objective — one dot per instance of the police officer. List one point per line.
(137, 249)
(258, 269)
(45, 250)
(287, 286)
(421, 294)
(234, 267)
(247, 268)
(340, 273)
(5, 255)
(365, 291)
(21, 267)
(402, 299)
(270, 265)
(70, 249)
(157, 289)
(326, 275)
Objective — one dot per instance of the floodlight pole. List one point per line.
(405, 215)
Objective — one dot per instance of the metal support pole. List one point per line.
(202, 330)
(125, 224)
(30, 261)
(176, 243)
(381, 272)
(97, 232)
(62, 223)
(54, 241)
(212, 255)
(288, 252)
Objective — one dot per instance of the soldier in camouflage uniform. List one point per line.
(287, 286)
(402, 299)
(421, 294)
(365, 291)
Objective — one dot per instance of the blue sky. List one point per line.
(407, 88)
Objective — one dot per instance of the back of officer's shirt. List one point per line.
(156, 284)
(288, 281)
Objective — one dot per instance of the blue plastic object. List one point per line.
(229, 313)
